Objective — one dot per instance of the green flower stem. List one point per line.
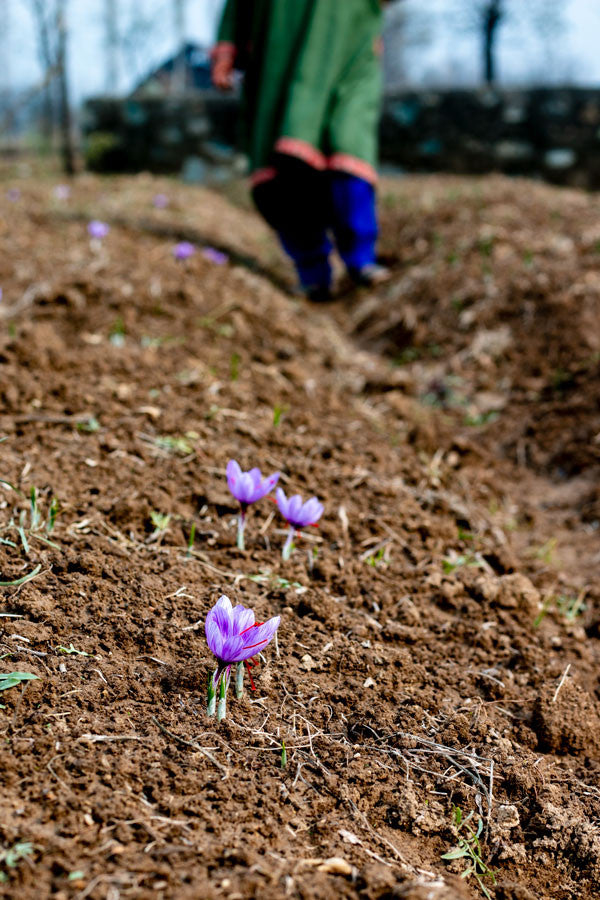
(289, 544)
(222, 705)
(211, 701)
(239, 680)
(240, 531)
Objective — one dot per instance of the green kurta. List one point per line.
(313, 80)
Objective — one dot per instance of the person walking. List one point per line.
(311, 103)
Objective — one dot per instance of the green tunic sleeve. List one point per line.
(228, 30)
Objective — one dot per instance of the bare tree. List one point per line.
(487, 17)
(111, 44)
(64, 105)
(42, 15)
(51, 23)
(406, 27)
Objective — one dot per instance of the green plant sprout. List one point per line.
(234, 366)
(191, 539)
(71, 650)
(275, 582)
(455, 561)
(174, 444)
(379, 558)
(90, 426)
(11, 856)
(161, 524)
(23, 580)
(117, 333)
(283, 760)
(469, 848)
(13, 679)
(278, 412)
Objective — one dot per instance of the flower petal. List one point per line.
(312, 511)
(282, 502)
(214, 638)
(258, 638)
(294, 510)
(233, 473)
(242, 618)
(256, 476)
(233, 649)
(222, 616)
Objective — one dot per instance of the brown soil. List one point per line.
(440, 635)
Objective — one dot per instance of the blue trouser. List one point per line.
(305, 206)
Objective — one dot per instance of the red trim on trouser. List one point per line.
(338, 162)
(262, 175)
(302, 150)
(343, 162)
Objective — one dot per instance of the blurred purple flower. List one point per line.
(62, 192)
(97, 229)
(233, 636)
(247, 488)
(297, 514)
(160, 201)
(183, 250)
(13, 194)
(215, 256)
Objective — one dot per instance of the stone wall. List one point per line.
(192, 133)
(548, 132)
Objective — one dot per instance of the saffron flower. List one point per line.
(183, 250)
(298, 515)
(98, 230)
(215, 256)
(247, 488)
(233, 636)
(160, 201)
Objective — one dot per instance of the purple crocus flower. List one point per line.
(298, 515)
(13, 194)
(98, 230)
(183, 250)
(247, 488)
(215, 256)
(234, 636)
(160, 201)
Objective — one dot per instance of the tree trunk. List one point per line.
(492, 16)
(66, 135)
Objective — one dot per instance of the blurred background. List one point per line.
(471, 86)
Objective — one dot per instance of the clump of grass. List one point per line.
(31, 523)
(469, 849)
(566, 606)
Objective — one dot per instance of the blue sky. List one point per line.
(573, 57)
